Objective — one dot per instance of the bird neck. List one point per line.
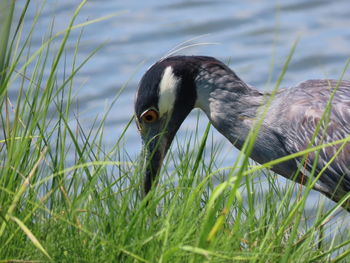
(230, 104)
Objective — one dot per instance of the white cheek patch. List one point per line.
(167, 91)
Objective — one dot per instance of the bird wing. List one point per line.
(304, 109)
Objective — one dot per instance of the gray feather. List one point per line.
(297, 112)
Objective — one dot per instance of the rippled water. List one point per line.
(254, 36)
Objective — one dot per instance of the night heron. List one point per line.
(172, 87)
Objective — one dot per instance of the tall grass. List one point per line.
(88, 208)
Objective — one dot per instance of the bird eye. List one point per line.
(149, 116)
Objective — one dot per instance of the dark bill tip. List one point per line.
(153, 166)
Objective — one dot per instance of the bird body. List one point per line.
(172, 87)
(300, 110)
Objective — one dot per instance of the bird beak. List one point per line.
(155, 147)
(157, 138)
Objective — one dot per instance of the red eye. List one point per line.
(149, 116)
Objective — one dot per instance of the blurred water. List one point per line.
(254, 36)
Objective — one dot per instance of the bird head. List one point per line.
(165, 96)
(167, 93)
